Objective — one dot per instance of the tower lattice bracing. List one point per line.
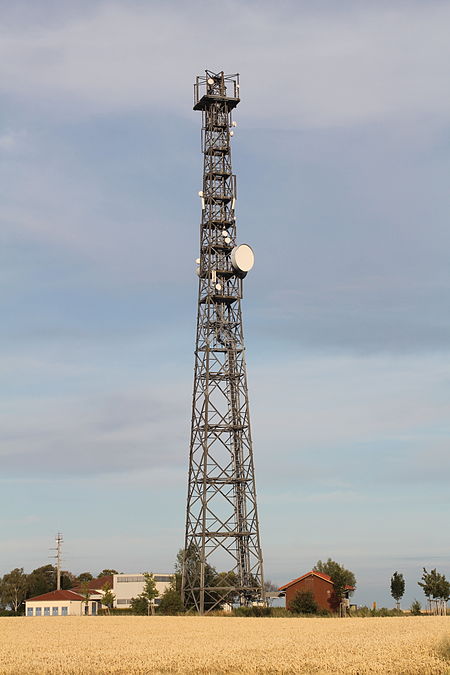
(222, 530)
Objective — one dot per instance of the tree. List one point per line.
(341, 578)
(436, 589)
(107, 573)
(139, 605)
(303, 603)
(415, 608)
(86, 593)
(269, 586)
(223, 579)
(150, 592)
(68, 580)
(108, 597)
(444, 592)
(397, 587)
(41, 580)
(190, 559)
(170, 601)
(13, 589)
(84, 576)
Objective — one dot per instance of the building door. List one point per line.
(94, 609)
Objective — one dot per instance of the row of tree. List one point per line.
(435, 587)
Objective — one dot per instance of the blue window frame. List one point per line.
(29, 611)
(38, 611)
(64, 611)
(46, 611)
(55, 611)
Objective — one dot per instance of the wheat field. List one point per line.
(129, 644)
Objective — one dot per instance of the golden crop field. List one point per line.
(129, 644)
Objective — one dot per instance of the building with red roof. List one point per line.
(70, 602)
(73, 602)
(320, 586)
(62, 603)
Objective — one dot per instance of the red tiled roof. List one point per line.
(96, 584)
(58, 595)
(321, 575)
(325, 577)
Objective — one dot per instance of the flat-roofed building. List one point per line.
(128, 586)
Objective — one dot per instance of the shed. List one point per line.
(321, 587)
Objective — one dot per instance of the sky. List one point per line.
(342, 157)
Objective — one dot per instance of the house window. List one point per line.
(165, 578)
(29, 611)
(64, 611)
(122, 601)
(38, 611)
(46, 611)
(55, 611)
(134, 580)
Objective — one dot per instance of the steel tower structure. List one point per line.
(222, 529)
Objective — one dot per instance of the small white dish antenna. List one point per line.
(224, 233)
(227, 240)
(210, 80)
(200, 194)
(218, 287)
(197, 260)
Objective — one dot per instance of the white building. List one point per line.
(62, 603)
(72, 603)
(128, 586)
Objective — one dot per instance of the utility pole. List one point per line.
(222, 529)
(58, 557)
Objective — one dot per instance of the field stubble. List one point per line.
(121, 645)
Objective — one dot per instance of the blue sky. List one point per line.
(342, 156)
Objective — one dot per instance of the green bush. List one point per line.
(304, 603)
(139, 605)
(415, 608)
(170, 602)
(6, 612)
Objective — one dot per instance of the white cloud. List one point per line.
(300, 67)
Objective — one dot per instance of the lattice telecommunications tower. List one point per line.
(222, 530)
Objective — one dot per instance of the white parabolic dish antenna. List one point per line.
(242, 259)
